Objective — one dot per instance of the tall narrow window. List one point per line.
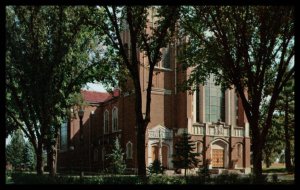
(105, 116)
(166, 57)
(129, 150)
(115, 119)
(64, 136)
(214, 102)
(237, 109)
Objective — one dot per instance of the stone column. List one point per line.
(227, 107)
(194, 107)
(202, 103)
(232, 107)
(149, 152)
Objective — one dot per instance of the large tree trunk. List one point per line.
(257, 160)
(51, 161)
(287, 152)
(268, 161)
(141, 151)
(39, 160)
(141, 130)
(257, 150)
(51, 154)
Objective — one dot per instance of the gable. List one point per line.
(160, 131)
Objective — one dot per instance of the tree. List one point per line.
(50, 54)
(142, 39)
(29, 156)
(275, 141)
(184, 156)
(250, 48)
(15, 150)
(286, 106)
(117, 163)
(155, 167)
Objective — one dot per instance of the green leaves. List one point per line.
(48, 58)
(117, 163)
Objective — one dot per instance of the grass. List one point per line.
(278, 169)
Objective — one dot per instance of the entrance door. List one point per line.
(218, 158)
(165, 156)
(154, 153)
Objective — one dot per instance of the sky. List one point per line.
(95, 87)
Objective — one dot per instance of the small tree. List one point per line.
(14, 151)
(29, 156)
(117, 164)
(156, 167)
(184, 156)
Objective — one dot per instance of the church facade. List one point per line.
(213, 117)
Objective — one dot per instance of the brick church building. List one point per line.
(214, 118)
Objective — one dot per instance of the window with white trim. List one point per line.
(129, 150)
(115, 119)
(105, 120)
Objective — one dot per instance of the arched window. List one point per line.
(115, 119)
(105, 120)
(103, 154)
(129, 150)
(95, 155)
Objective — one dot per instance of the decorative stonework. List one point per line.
(160, 132)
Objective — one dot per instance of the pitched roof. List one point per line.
(98, 97)
(95, 97)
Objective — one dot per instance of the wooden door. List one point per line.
(218, 158)
(154, 153)
(165, 156)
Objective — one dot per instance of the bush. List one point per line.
(262, 180)
(7, 177)
(161, 179)
(203, 173)
(27, 178)
(121, 180)
(227, 179)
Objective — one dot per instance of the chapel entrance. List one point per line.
(156, 156)
(218, 158)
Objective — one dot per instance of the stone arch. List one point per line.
(219, 153)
